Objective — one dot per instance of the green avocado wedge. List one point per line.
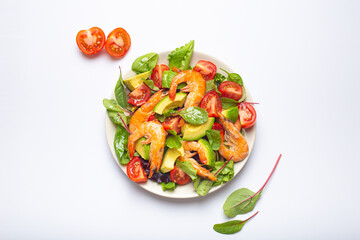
(209, 153)
(232, 113)
(167, 104)
(142, 149)
(195, 132)
(133, 82)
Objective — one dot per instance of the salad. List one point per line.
(180, 124)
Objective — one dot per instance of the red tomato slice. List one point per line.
(177, 175)
(206, 68)
(231, 90)
(90, 41)
(219, 127)
(140, 95)
(247, 115)
(172, 123)
(152, 117)
(157, 74)
(135, 171)
(212, 104)
(118, 42)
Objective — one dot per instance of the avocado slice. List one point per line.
(169, 159)
(167, 104)
(133, 82)
(195, 132)
(142, 149)
(232, 113)
(209, 153)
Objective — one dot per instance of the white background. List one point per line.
(300, 60)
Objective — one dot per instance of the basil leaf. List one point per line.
(195, 115)
(145, 63)
(121, 143)
(219, 78)
(210, 85)
(231, 227)
(234, 204)
(173, 141)
(167, 78)
(170, 186)
(214, 139)
(234, 77)
(227, 103)
(188, 168)
(120, 93)
(181, 57)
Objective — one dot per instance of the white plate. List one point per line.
(185, 191)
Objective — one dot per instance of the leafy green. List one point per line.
(228, 103)
(121, 143)
(194, 115)
(120, 93)
(151, 84)
(188, 168)
(167, 77)
(232, 113)
(235, 204)
(219, 78)
(173, 141)
(234, 77)
(210, 85)
(170, 186)
(181, 57)
(115, 118)
(171, 131)
(112, 105)
(145, 63)
(231, 227)
(214, 138)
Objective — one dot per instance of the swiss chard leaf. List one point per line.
(231, 227)
(120, 92)
(121, 143)
(237, 202)
(145, 63)
(219, 78)
(214, 139)
(112, 105)
(115, 118)
(181, 57)
(194, 115)
(173, 141)
(234, 77)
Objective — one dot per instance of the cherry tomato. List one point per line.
(206, 68)
(152, 117)
(90, 41)
(172, 123)
(212, 104)
(220, 128)
(231, 90)
(247, 115)
(157, 74)
(135, 171)
(118, 42)
(140, 95)
(177, 175)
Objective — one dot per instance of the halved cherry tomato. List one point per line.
(157, 74)
(247, 115)
(140, 95)
(177, 175)
(172, 123)
(212, 104)
(135, 171)
(152, 117)
(219, 127)
(90, 41)
(118, 42)
(231, 90)
(206, 68)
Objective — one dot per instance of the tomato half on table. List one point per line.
(212, 104)
(135, 171)
(172, 123)
(177, 175)
(157, 74)
(90, 41)
(231, 90)
(118, 42)
(140, 95)
(247, 115)
(206, 68)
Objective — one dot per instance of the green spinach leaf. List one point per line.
(227, 103)
(121, 143)
(173, 141)
(194, 115)
(210, 85)
(120, 92)
(170, 186)
(214, 138)
(231, 227)
(181, 57)
(145, 63)
(234, 77)
(167, 78)
(219, 78)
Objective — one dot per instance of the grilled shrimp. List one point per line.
(146, 110)
(202, 172)
(196, 85)
(155, 135)
(236, 145)
(194, 146)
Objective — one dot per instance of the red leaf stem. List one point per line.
(126, 127)
(223, 166)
